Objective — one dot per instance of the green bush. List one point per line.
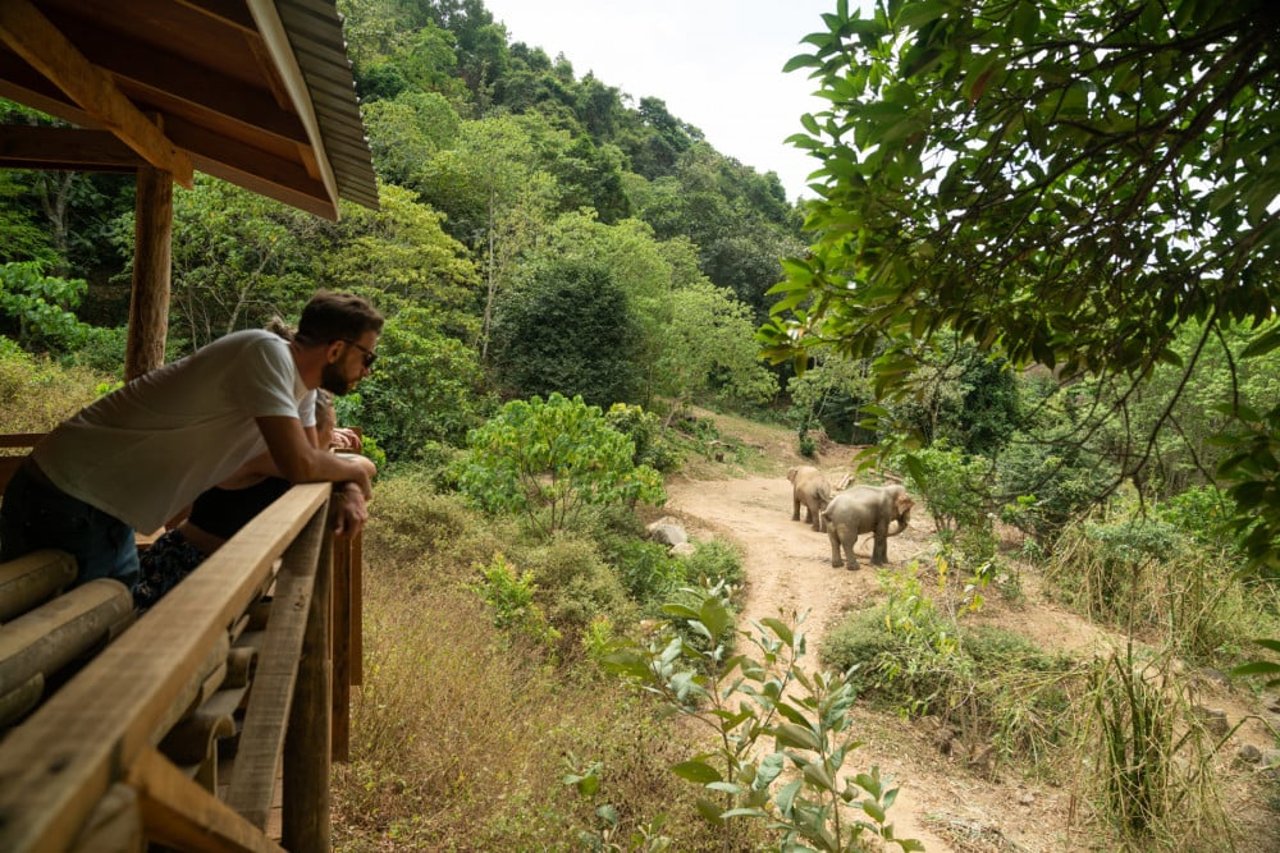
(652, 447)
(999, 692)
(550, 461)
(510, 595)
(1058, 483)
(713, 563)
(575, 584)
(426, 388)
(1204, 513)
(1148, 576)
(646, 568)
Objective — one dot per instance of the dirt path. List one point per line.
(788, 569)
(788, 566)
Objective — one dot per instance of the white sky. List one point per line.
(716, 63)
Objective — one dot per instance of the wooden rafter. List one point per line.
(23, 147)
(32, 36)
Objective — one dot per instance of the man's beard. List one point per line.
(332, 380)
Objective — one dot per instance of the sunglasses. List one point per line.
(369, 355)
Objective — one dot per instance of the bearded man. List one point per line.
(135, 458)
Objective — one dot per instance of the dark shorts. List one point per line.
(169, 559)
(36, 514)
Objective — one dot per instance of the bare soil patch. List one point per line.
(949, 802)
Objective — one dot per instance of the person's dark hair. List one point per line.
(336, 316)
(280, 327)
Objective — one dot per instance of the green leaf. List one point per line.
(744, 812)
(916, 15)
(790, 734)
(709, 811)
(1262, 344)
(786, 796)
(697, 771)
(804, 60)
(780, 628)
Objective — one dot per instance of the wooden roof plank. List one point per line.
(204, 88)
(232, 12)
(64, 148)
(31, 35)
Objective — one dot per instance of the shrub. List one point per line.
(646, 568)
(1155, 784)
(744, 700)
(1058, 483)
(575, 584)
(511, 597)
(713, 563)
(427, 387)
(1000, 693)
(36, 394)
(652, 447)
(549, 460)
(1147, 576)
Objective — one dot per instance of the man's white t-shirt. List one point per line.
(147, 450)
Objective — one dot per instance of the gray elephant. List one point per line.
(866, 509)
(810, 488)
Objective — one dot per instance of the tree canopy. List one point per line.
(1068, 183)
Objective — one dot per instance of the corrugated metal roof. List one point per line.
(315, 31)
(257, 92)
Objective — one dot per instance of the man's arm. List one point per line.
(299, 462)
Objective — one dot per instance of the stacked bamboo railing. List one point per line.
(178, 731)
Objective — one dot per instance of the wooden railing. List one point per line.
(179, 730)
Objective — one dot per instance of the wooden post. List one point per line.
(340, 635)
(305, 808)
(152, 259)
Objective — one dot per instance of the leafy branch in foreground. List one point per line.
(800, 786)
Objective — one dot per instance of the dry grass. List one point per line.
(460, 735)
(36, 393)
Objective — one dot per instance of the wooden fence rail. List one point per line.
(126, 751)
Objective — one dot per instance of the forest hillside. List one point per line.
(1035, 288)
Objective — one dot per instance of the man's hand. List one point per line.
(351, 509)
(347, 440)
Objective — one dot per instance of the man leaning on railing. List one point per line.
(136, 457)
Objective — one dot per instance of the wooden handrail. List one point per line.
(56, 766)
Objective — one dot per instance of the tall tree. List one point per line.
(1067, 182)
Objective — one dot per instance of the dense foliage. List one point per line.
(516, 198)
(1075, 184)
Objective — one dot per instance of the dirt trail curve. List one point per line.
(788, 567)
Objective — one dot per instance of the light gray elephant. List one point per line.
(866, 509)
(810, 488)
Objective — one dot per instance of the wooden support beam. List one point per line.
(341, 653)
(305, 807)
(262, 738)
(152, 253)
(25, 147)
(57, 765)
(177, 812)
(32, 36)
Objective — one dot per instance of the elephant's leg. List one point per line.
(880, 550)
(795, 507)
(833, 533)
(815, 514)
(848, 550)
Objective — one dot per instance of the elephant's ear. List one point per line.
(791, 474)
(905, 504)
